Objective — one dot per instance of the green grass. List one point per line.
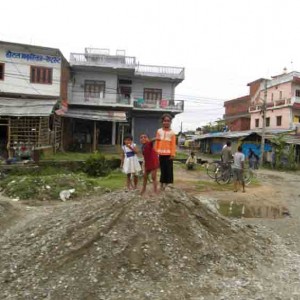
(181, 155)
(114, 181)
(74, 156)
(47, 184)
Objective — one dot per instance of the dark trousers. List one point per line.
(166, 169)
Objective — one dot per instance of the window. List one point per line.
(278, 120)
(94, 89)
(296, 119)
(268, 122)
(41, 75)
(152, 95)
(272, 97)
(256, 122)
(280, 95)
(1, 71)
(297, 93)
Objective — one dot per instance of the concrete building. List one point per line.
(237, 116)
(33, 85)
(111, 95)
(282, 101)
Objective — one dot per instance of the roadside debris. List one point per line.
(123, 246)
(66, 194)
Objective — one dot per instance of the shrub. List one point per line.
(97, 165)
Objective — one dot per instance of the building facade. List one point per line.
(279, 97)
(33, 85)
(111, 95)
(237, 116)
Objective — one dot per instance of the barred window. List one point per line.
(41, 75)
(152, 95)
(94, 89)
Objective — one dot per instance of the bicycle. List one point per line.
(224, 174)
(212, 167)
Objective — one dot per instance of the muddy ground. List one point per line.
(171, 246)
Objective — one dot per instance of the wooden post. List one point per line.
(9, 151)
(95, 137)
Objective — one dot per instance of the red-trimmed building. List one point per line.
(237, 116)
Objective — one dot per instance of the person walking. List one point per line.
(165, 146)
(238, 169)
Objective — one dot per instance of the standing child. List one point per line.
(151, 162)
(166, 147)
(130, 162)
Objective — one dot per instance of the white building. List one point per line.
(33, 83)
(114, 94)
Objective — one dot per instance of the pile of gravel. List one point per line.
(123, 246)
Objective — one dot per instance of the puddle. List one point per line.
(235, 210)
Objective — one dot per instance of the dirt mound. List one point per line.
(122, 246)
(8, 213)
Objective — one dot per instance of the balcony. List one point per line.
(102, 60)
(108, 100)
(158, 105)
(160, 71)
(271, 105)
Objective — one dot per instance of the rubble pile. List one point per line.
(123, 246)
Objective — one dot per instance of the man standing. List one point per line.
(226, 154)
(238, 169)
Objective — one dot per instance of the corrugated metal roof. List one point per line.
(26, 107)
(288, 138)
(96, 115)
(239, 134)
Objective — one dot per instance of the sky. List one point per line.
(223, 45)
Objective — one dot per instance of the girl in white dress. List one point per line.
(130, 162)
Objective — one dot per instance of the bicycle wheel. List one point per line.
(223, 176)
(211, 169)
(248, 175)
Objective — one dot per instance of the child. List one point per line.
(166, 147)
(191, 161)
(130, 162)
(151, 162)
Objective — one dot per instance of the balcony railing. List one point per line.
(91, 59)
(272, 105)
(127, 62)
(160, 105)
(109, 100)
(160, 71)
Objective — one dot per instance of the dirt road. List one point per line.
(274, 191)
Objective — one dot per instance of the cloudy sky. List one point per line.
(223, 45)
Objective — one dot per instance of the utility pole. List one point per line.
(263, 132)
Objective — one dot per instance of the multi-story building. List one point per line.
(111, 95)
(33, 85)
(237, 116)
(280, 98)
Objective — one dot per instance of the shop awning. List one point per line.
(96, 115)
(26, 107)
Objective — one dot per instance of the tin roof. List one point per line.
(96, 115)
(26, 107)
(239, 134)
